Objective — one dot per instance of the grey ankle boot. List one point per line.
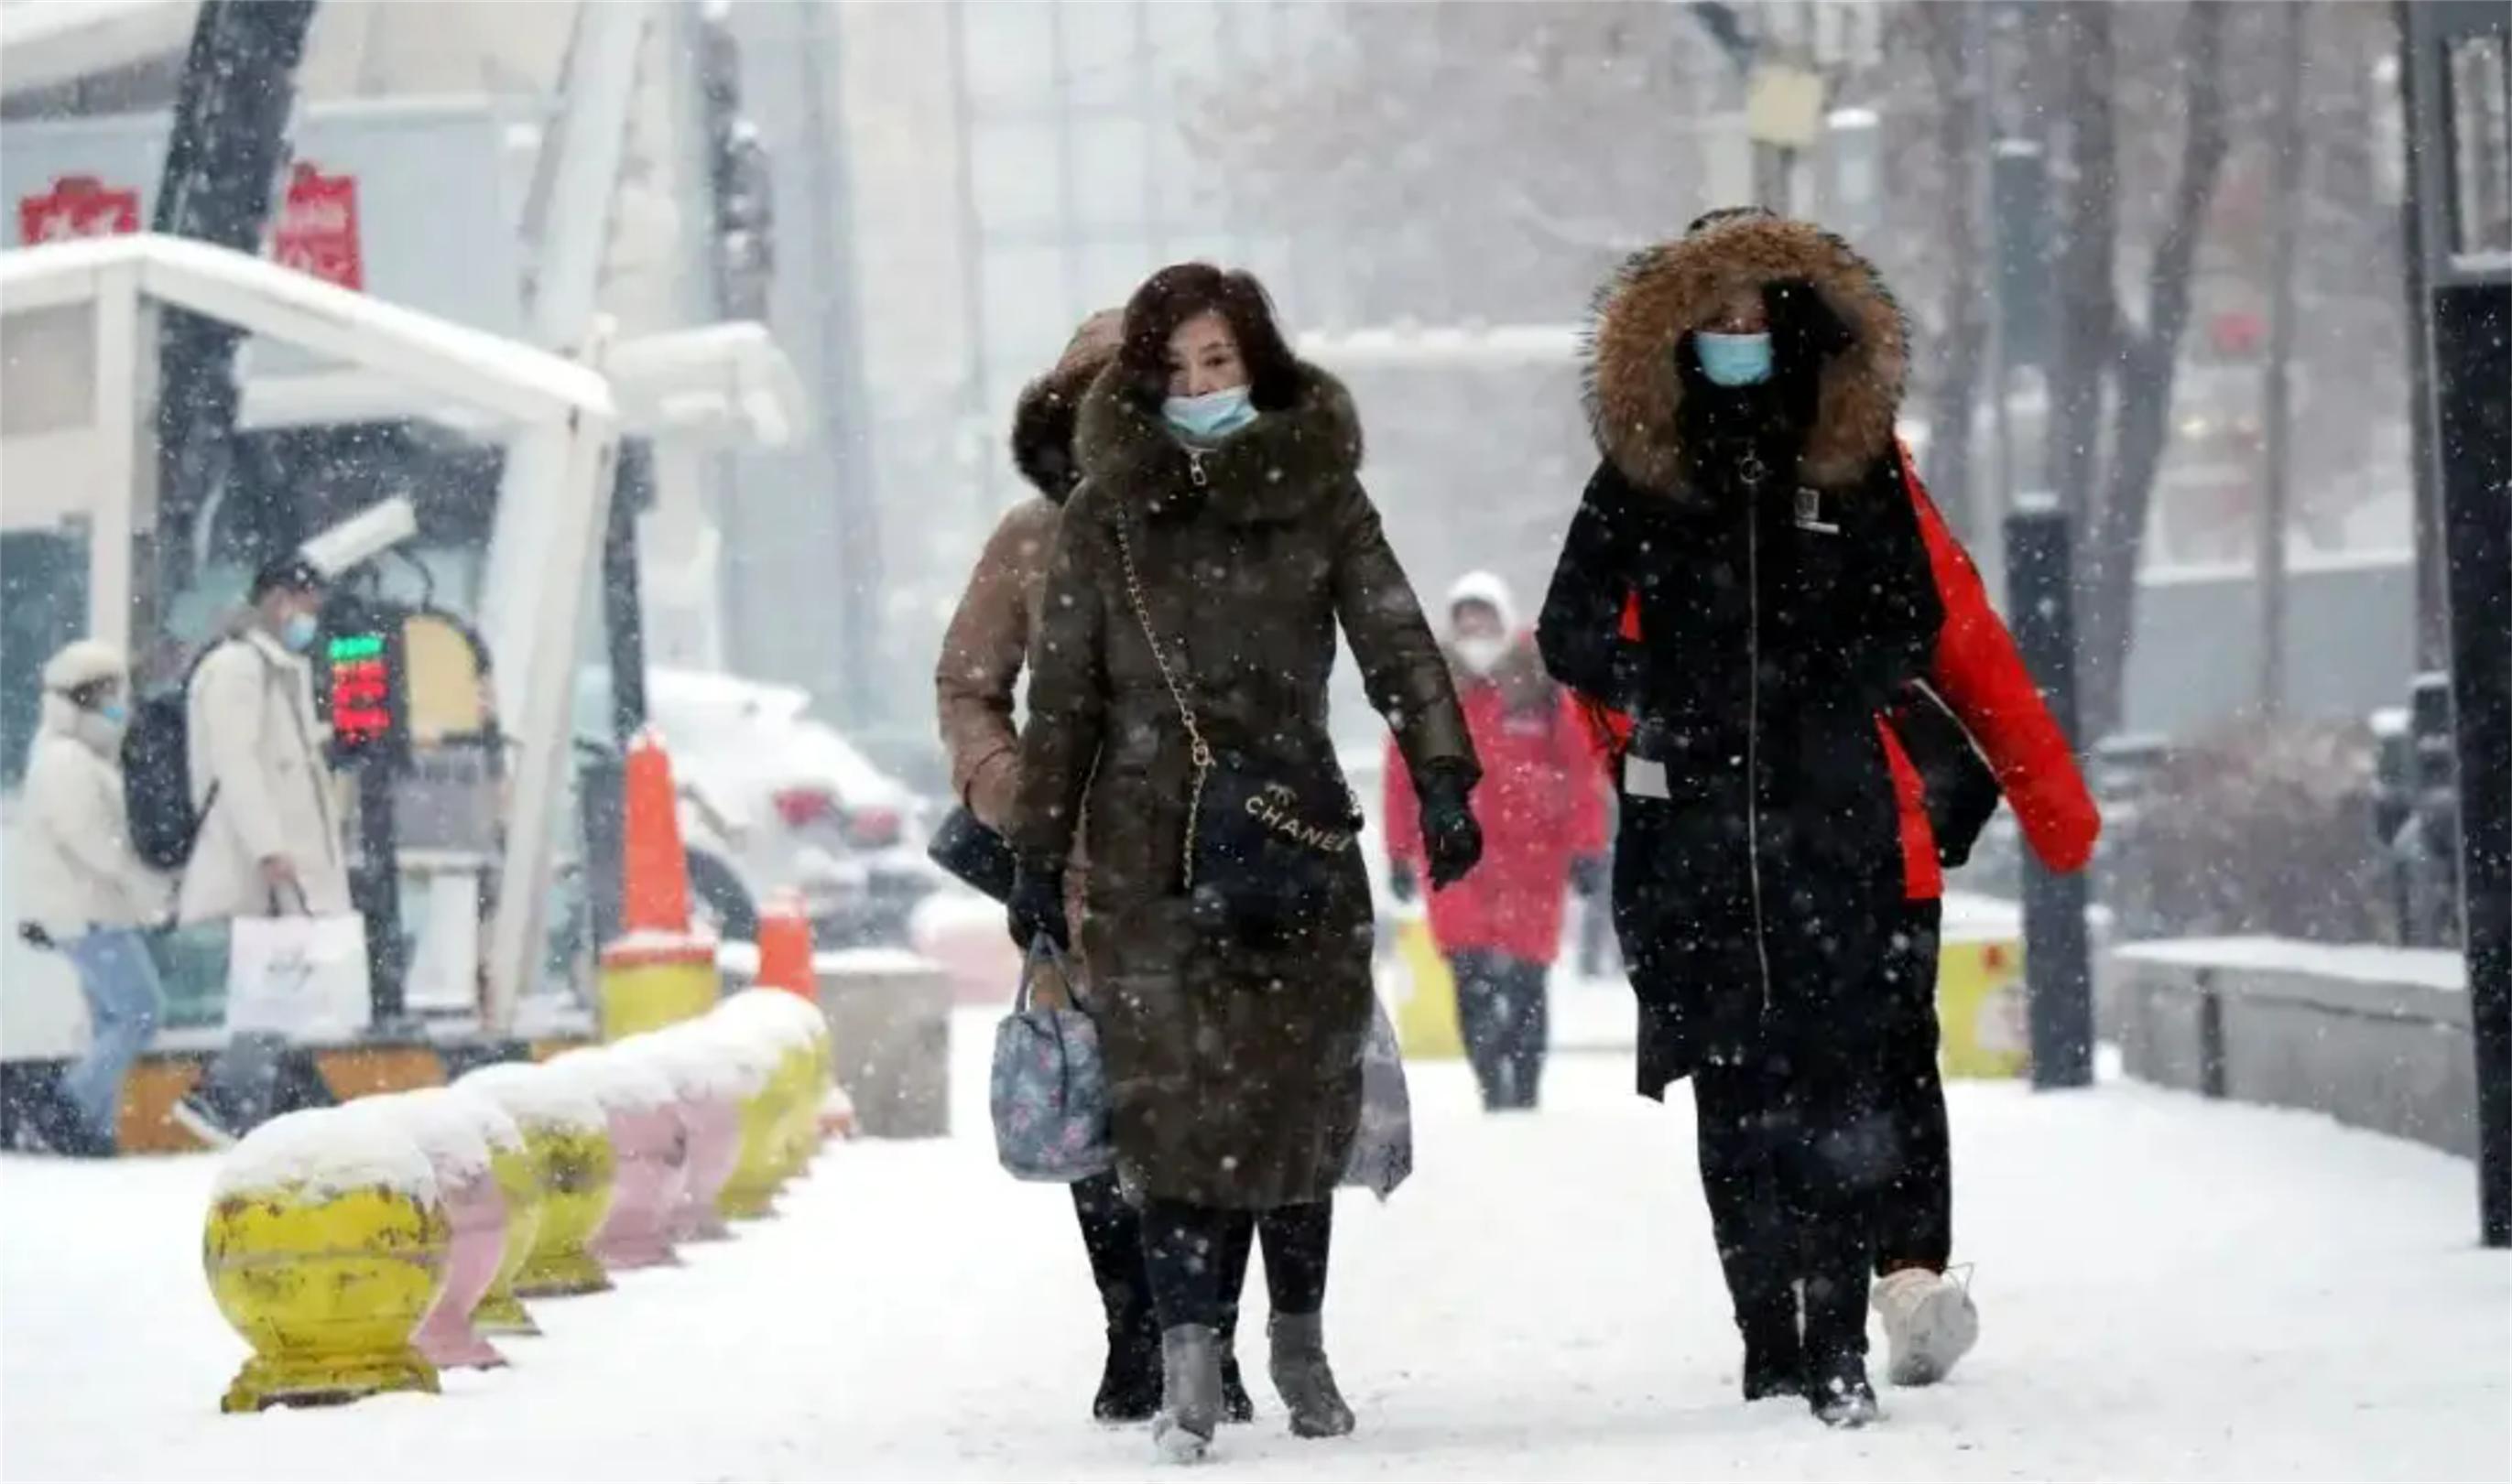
(1305, 1381)
(1190, 1387)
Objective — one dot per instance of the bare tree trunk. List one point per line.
(2087, 182)
(2146, 366)
(1955, 38)
(2276, 500)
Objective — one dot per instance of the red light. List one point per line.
(360, 700)
(873, 827)
(799, 807)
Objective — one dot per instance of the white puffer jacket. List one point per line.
(75, 868)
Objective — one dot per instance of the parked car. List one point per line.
(789, 803)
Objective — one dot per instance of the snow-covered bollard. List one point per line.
(569, 1137)
(814, 1071)
(711, 1088)
(325, 1245)
(652, 1145)
(519, 1182)
(752, 1057)
(786, 1022)
(446, 1126)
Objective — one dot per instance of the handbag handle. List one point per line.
(1198, 751)
(1042, 947)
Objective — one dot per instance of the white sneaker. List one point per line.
(1930, 1323)
(197, 1118)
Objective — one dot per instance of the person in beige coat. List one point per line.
(271, 839)
(270, 835)
(83, 888)
(974, 684)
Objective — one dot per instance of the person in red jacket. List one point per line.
(1542, 801)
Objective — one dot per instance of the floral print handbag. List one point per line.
(1049, 1088)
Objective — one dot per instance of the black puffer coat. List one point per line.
(1763, 544)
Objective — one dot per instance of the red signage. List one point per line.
(77, 206)
(318, 227)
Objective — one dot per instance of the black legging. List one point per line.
(1914, 1212)
(1111, 1232)
(1505, 1018)
(1790, 1156)
(1197, 1258)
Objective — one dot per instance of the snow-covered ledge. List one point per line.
(2372, 1036)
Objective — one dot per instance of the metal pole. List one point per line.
(2468, 340)
(2277, 499)
(973, 260)
(848, 423)
(2056, 957)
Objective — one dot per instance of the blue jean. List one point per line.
(123, 1003)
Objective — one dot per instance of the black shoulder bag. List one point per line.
(1262, 848)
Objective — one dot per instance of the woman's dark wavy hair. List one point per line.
(1178, 294)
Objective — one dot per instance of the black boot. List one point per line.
(1774, 1354)
(1236, 1406)
(1773, 1367)
(1837, 1389)
(1111, 1232)
(1129, 1385)
(1835, 1343)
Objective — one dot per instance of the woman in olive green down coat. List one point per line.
(1229, 469)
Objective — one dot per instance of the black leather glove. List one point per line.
(1449, 828)
(1036, 907)
(1588, 876)
(1400, 883)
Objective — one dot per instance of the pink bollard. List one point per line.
(651, 1146)
(714, 1125)
(477, 1210)
(710, 1093)
(445, 1125)
(652, 1154)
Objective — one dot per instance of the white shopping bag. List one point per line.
(304, 977)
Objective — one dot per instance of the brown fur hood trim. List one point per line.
(1272, 470)
(1043, 420)
(1633, 389)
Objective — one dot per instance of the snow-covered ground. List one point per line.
(2170, 1289)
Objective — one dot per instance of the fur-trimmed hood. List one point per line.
(1634, 390)
(1043, 420)
(1272, 470)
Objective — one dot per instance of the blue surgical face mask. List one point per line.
(1214, 414)
(1729, 360)
(297, 632)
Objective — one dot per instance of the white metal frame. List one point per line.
(556, 412)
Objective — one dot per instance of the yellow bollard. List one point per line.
(788, 1023)
(1425, 1017)
(568, 1137)
(751, 1061)
(325, 1247)
(647, 983)
(1981, 1008)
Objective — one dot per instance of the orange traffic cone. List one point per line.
(656, 894)
(658, 972)
(785, 947)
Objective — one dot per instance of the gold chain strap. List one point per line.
(1197, 750)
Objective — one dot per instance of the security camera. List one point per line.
(362, 537)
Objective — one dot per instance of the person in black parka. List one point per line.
(1745, 580)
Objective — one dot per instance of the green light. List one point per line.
(350, 647)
